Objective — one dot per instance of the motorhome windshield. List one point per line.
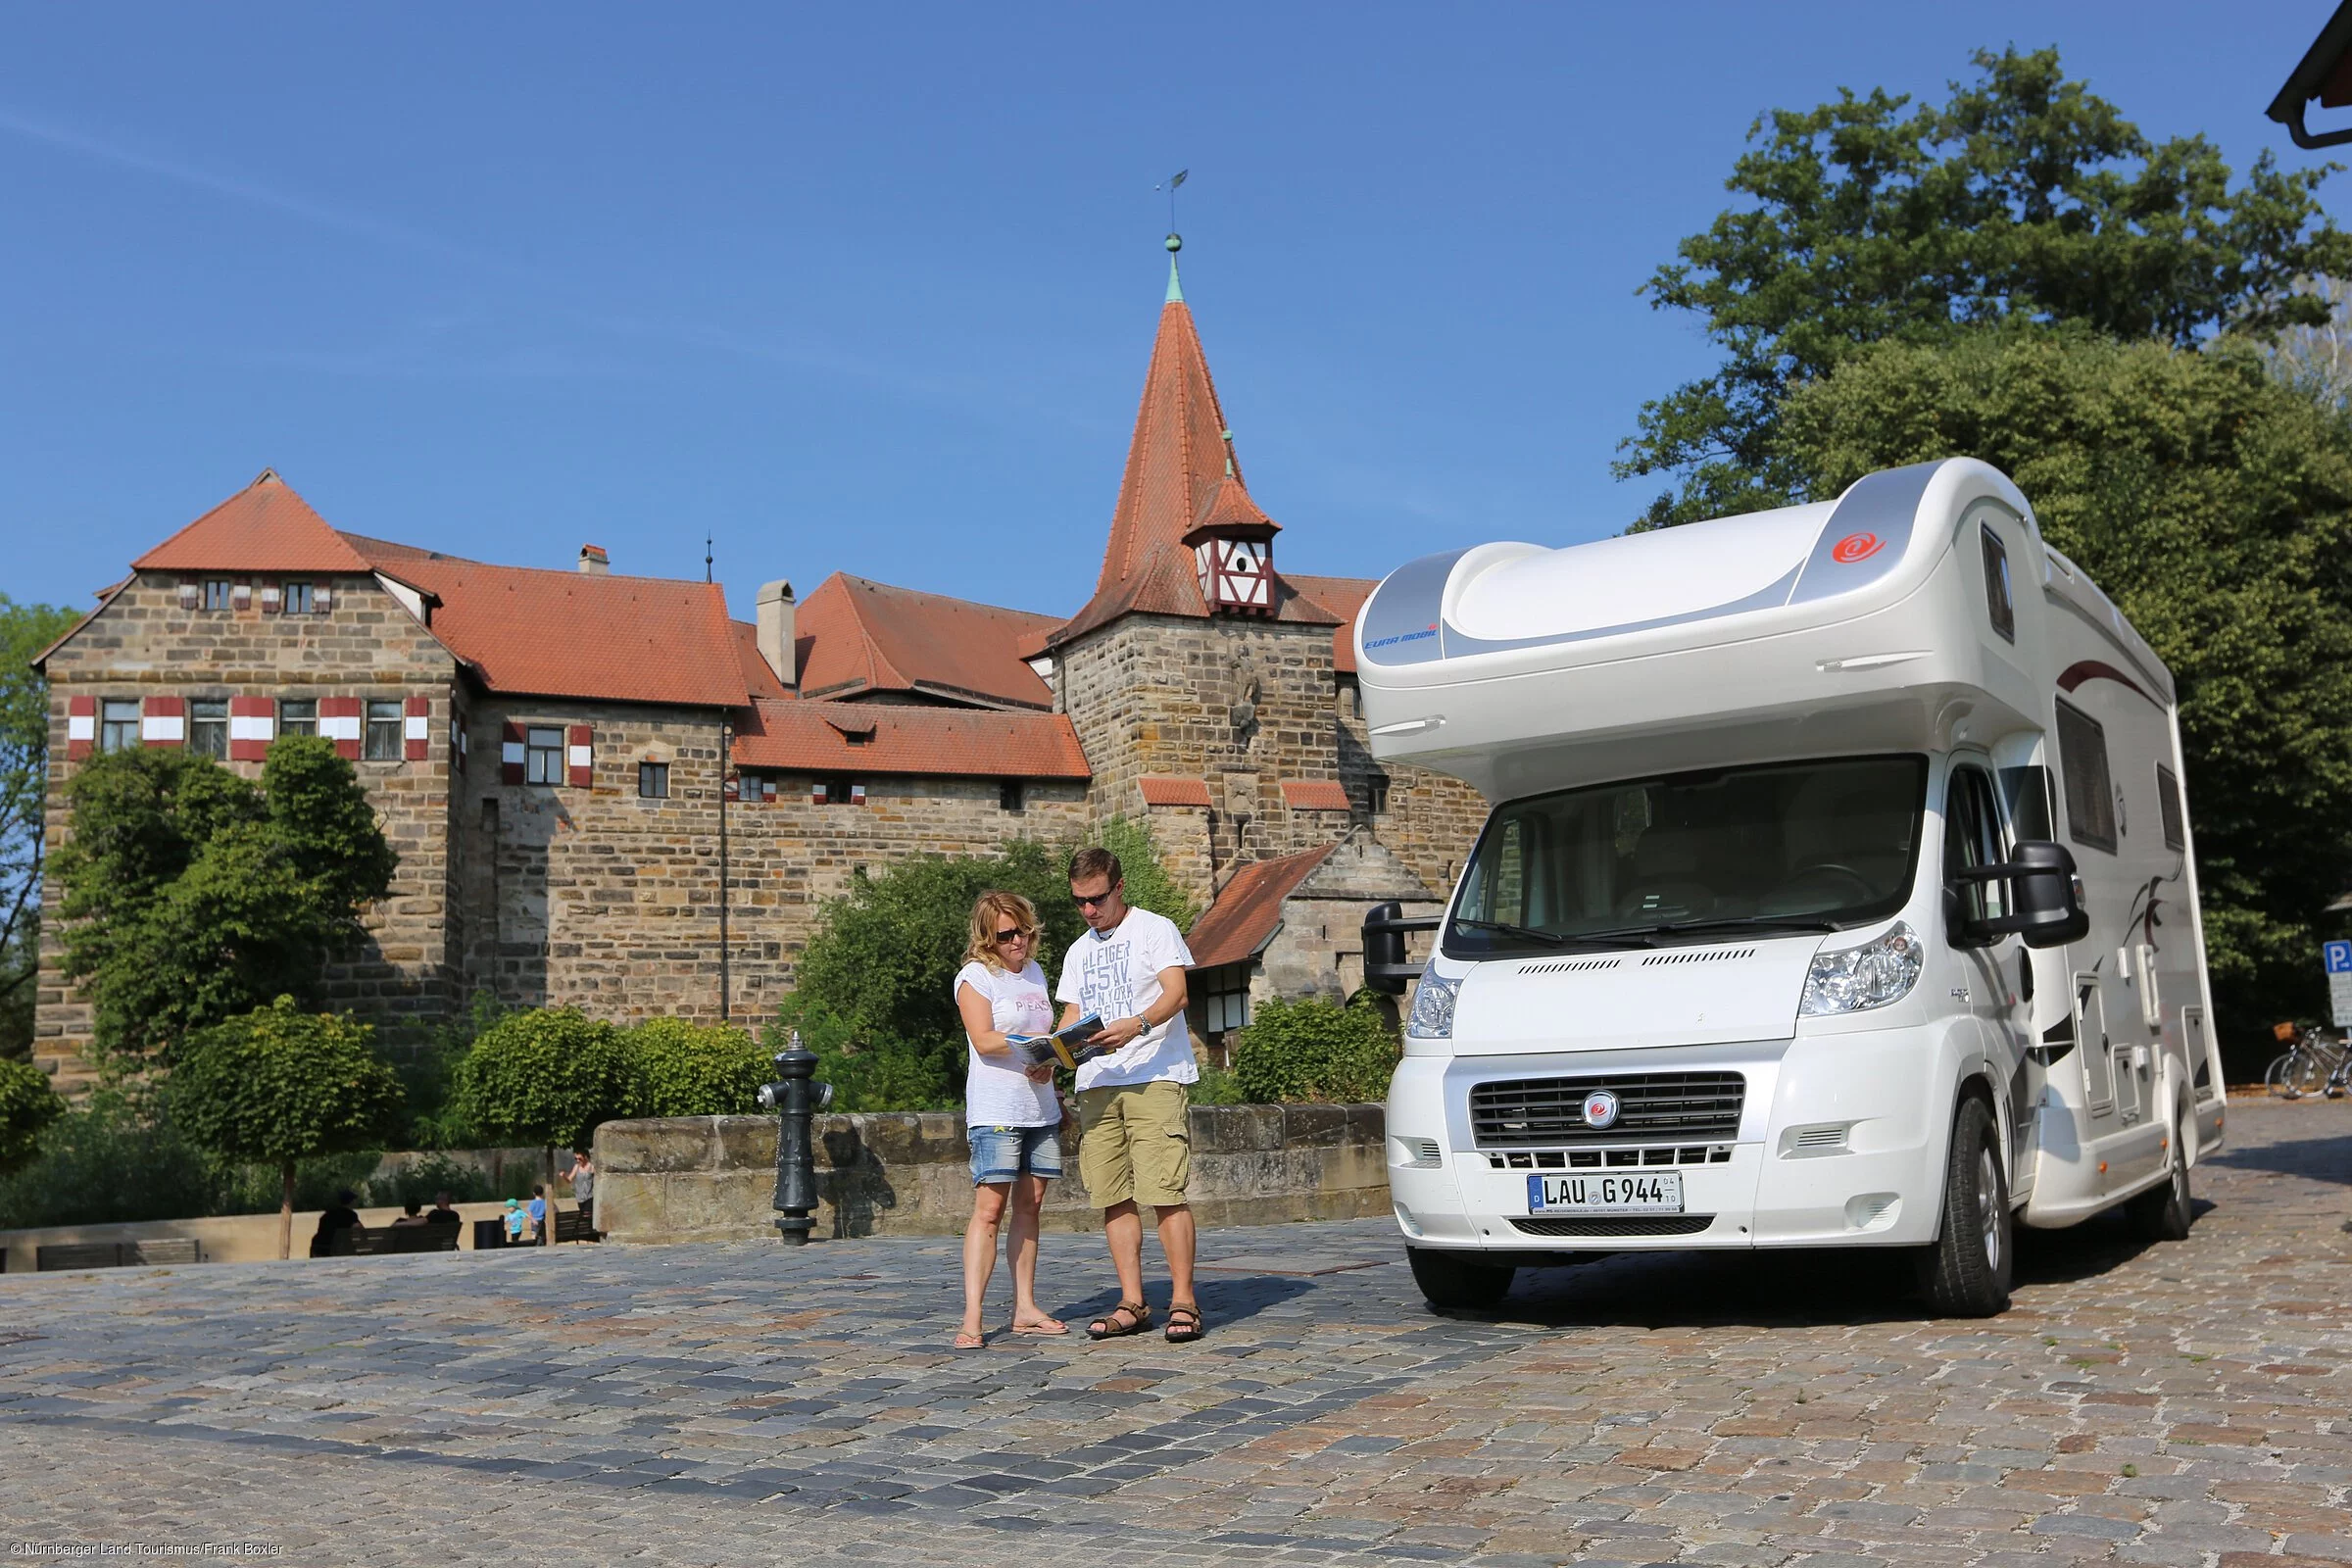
(1813, 846)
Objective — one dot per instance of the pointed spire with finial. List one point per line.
(1175, 284)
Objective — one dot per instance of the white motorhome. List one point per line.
(1839, 891)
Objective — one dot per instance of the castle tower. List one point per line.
(1199, 679)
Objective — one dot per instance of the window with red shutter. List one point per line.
(81, 728)
(340, 720)
(510, 752)
(417, 728)
(252, 726)
(580, 757)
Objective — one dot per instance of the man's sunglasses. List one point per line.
(1013, 936)
(1085, 902)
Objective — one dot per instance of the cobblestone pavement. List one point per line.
(2180, 1405)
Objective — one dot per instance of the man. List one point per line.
(1133, 1102)
(441, 1214)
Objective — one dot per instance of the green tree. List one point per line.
(27, 1105)
(1315, 1049)
(2214, 504)
(679, 1068)
(191, 895)
(24, 630)
(280, 1084)
(2025, 196)
(1148, 884)
(546, 1078)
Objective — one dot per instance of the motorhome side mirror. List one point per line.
(1384, 948)
(2046, 911)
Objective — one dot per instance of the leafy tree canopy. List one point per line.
(2025, 196)
(878, 974)
(2214, 504)
(28, 1105)
(1314, 1050)
(192, 894)
(278, 1085)
(24, 630)
(686, 1069)
(546, 1078)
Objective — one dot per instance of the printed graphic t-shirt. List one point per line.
(1118, 976)
(997, 1093)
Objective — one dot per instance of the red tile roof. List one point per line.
(263, 527)
(757, 674)
(860, 637)
(1314, 794)
(1176, 468)
(577, 634)
(1246, 914)
(813, 737)
(1159, 791)
(1344, 598)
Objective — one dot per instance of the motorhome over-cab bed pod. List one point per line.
(1891, 618)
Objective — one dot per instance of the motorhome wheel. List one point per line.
(1966, 1273)
(1451, 1281)
(2163, 1212)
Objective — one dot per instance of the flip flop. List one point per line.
(970, 1341)
(1128, 1317)
(1044, 1331)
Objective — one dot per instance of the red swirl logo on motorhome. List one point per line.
(1856, 547)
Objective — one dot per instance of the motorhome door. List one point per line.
(1973, 836)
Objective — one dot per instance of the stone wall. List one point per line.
(368, 645)
(602, 898)
(1319, 948)
(713, 1178)
(1239, 703)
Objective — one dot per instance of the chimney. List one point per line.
(594, 560)
(775, 632)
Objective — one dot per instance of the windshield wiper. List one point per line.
(1751, 923)
(1550, 939)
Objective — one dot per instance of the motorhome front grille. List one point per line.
(1617, 1225)
(1519, 1112)
(1609, 1158)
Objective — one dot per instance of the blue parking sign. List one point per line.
(2337, 957)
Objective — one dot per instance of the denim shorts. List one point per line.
(999, 1153)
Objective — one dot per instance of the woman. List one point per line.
(1010, 1110)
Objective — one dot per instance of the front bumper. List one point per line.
(1840, 1142)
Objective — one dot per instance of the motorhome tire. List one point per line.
(2163, 1212)
(1453, 1281)
(1966, 1273)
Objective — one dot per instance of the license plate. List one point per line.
(1632, 1193)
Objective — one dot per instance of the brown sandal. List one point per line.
(1184, 1325)
(1128, 1317)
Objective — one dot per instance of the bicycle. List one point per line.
(2313, 1063)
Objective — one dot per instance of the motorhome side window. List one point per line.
(1972, 837)
(1998, 604)
(1813, 845)
(2167, 808)
(2089, 786)
(2027, 792)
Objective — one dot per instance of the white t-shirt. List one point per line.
(1118, 977)
(997, 1091)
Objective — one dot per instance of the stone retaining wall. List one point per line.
(713, 1178)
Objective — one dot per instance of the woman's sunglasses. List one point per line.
(1013, 936)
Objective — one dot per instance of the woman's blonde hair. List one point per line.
(992, 909)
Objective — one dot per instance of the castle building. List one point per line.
(552, 751)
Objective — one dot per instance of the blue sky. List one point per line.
(873, 288)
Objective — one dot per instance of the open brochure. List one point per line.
(1064, 1047)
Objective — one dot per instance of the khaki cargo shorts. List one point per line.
(1138, 1144)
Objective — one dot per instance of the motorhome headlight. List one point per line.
(1433, 1008)
(1853, 979)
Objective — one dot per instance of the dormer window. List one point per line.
(1233, 550)
(218, 592)
(298, 598)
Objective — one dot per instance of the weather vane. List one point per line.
(1169, 185)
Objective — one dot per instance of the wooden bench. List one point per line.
(573, 1226)
(386, 1238)
(117, 1255)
